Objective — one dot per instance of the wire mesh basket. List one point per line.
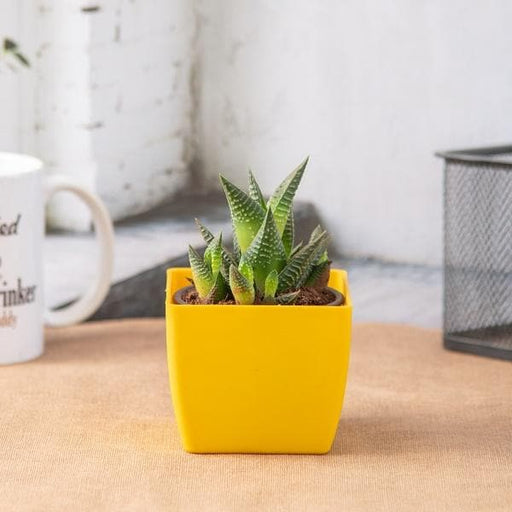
(478, 251)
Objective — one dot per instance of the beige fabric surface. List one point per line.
(89, 426)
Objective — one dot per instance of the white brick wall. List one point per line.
(63, 104)
(112, 84)
(141, 58)
(17, 89)
(9, 82)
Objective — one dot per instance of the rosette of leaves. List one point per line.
(265, 266)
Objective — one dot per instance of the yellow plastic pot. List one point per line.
(257, 379)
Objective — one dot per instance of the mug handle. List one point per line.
(94, 296)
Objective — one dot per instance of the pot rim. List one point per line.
(339, 299)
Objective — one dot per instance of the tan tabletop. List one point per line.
(89, 426)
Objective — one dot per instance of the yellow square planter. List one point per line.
(257, 379)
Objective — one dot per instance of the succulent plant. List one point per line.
(265, 266)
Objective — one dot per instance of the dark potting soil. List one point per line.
(314, 297)
(192, 297)
(307, 297)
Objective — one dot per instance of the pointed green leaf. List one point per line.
(319, 275)
(207, 257)
(266, 252)
(289, 234)
(205, 232)
(236, 248)
(281, 201)
(298, 268)
(246, 270)
(323, 258)
(287, 299)
(320, 247)
(255, 191)
(227, 258)
(202, 275)
(271, 283)
(242, 289)
(246, 214)
(215, 251)
(218, 291)
(315, 232)
(296, 249)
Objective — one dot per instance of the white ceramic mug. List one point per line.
(24, 189)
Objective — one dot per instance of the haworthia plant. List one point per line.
(265, 266)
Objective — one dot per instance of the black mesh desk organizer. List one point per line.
(478, 251)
